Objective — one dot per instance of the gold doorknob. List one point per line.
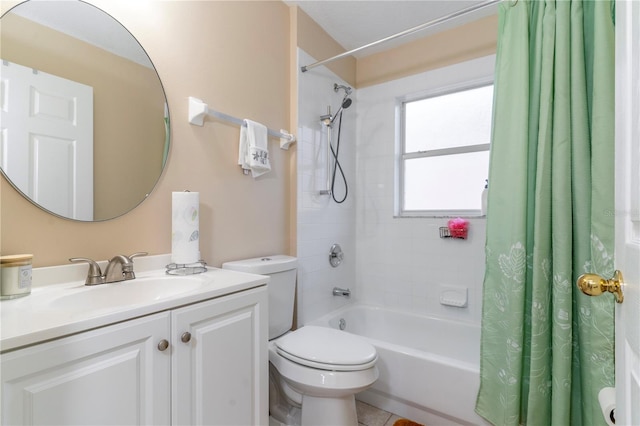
(595, 285)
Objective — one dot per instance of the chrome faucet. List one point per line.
(341, 292)
(119, 268)
(116, 269)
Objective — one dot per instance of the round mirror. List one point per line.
(85, 121)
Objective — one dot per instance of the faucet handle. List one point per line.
(127, 270)
(94, 275)
(138, 254)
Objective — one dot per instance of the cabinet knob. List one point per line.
(186, 337)
(163, 345)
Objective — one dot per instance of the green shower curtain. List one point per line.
(547, 349)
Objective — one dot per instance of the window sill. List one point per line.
(441, 214)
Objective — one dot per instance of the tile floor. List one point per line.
(369, 415)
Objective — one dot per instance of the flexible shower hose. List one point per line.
(337, 167)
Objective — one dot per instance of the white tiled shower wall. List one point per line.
(402, 262)
(321, 221)
(395, 262)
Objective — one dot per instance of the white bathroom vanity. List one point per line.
(154, 350)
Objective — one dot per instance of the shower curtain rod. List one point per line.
(403, 33)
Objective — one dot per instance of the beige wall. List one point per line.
(316, 42)
(239, 56)
(235, 56)
(473, 40)
(128, 108)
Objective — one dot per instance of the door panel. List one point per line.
(628, 210)
(47, 139)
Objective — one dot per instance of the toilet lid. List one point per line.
(327, 349)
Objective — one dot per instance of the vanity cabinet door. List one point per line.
(114, 375)
(219, 370)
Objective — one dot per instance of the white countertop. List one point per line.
(41, 316)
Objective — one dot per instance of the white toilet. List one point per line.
(314, 372)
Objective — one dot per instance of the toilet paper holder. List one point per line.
(607, 400)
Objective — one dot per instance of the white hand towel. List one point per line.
(253, 153)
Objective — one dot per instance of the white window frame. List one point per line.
(401, 156)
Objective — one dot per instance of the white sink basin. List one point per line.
(126, 293)
(60, 304)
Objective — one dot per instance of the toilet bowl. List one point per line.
(318, 372)
(314, 372)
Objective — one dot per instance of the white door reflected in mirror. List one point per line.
(47, 139)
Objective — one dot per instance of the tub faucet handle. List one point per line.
(336, 255)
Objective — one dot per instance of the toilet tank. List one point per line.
(281, 270)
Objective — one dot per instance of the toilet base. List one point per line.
(318, 411)
(288, 407)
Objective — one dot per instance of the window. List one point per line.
(444, 157)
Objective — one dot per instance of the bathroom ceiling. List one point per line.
(354, 23)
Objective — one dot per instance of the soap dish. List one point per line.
(187, 268)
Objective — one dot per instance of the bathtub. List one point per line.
(429, 367)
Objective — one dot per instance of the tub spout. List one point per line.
(341, 292)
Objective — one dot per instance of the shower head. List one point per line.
(347, 89)
(328, 118)
(346, 103)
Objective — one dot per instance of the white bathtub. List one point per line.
(429, 367)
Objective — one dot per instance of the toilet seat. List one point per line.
(327, 349)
